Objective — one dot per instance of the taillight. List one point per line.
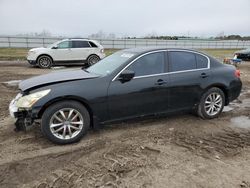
(237, 73)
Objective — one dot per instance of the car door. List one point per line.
(188, 73)
(81, 49)
(146, 93)
(62, 52)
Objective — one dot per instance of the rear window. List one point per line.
(93, 45)
(202, 61)
(180, 61)
(80, 44)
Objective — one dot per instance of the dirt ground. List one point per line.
(173, 151)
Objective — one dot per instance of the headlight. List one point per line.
(28, 100)
(31, 52)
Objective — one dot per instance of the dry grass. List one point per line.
(220, 53)
(20, 53)
(13, 53)
(110, 51)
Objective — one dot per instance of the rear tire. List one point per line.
(65, 122)
(211, 104)
(93, 59)
(44, 62)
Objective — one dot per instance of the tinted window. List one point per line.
(202, 61)
(80, 44)
(64, 44)
(148, 64)
(110, 63)
(180, 61)
(93, 45)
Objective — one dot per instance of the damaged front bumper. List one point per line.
(23, 117)
(23, 120)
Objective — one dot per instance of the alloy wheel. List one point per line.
(66, 123)
(44, 62)
(93, 60)
(213, 104)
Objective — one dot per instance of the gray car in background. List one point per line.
(243, 54)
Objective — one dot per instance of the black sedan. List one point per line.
(243, 54)
(128, 84)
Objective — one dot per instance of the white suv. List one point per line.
(68, 51)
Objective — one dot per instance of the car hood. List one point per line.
(36, 49)
(55, 77)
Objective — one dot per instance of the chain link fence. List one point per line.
(32, 42)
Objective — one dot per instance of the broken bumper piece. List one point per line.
(23, 120)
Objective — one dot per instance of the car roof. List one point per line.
(84, 39)
(142, 50)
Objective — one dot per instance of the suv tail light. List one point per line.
(237, 73)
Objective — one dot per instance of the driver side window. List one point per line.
(64, 44)
(148, 64)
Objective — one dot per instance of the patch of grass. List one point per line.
(21, 53)
(220, 53)
(110, 51)
(13, 53)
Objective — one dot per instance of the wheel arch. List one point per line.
(66, 98)
(93, 54)
(43, 54)
(223, 88)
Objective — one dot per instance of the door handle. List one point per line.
(204, 75)
(160, 82)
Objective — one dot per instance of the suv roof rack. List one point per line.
(78, 38)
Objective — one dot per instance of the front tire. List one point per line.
(211, 104)
(65, 122)
(44, 62)
(93, 59)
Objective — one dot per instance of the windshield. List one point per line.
(52, 45)
(109, 64)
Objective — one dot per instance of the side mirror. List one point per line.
(126, 75)
(54, 47)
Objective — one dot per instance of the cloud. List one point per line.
(128, 17)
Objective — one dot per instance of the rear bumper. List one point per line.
(101, 55)
(235, 90)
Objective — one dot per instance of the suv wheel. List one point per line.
(65, 122)
(93, 59)
(211, 104)
(44, 61)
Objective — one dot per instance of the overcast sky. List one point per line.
(126, 18)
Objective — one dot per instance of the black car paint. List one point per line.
(110, 100)
(55, 77)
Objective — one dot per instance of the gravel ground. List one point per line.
(173, 151)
